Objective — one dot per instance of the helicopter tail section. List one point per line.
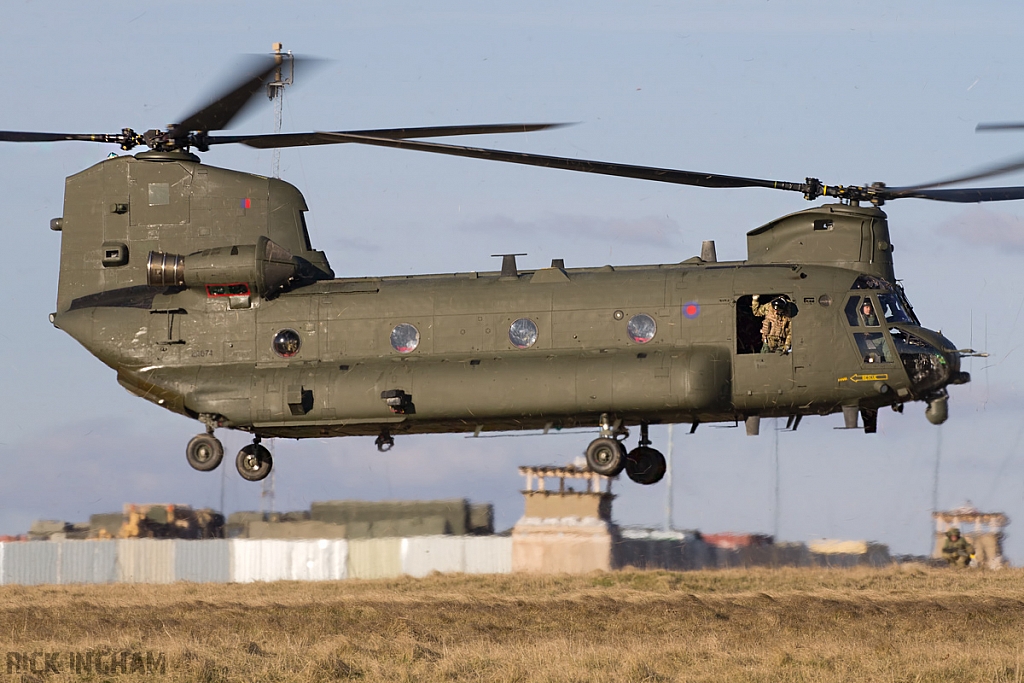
(120, 211)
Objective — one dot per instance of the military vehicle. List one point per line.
(199, 286)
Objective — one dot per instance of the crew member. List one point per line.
(776, 330)
(868, 313)
(956, 550)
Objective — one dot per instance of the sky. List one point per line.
(860, 93)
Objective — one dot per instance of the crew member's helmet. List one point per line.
(779, 304)
(953, 533)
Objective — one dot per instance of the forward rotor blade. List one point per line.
(219, 113)
(272, 141)
(1001, 169)
(981, 127)
(663, 175)
(969, 195)
(21, 136)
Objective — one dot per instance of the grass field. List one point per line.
(905, 623)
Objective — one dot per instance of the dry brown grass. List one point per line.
(899, 624)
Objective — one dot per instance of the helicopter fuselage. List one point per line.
(199, 287)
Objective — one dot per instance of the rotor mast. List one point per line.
(275, 91)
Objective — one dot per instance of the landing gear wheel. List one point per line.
(204, 452)
(606, 456)
(254, 462)
(645, 465)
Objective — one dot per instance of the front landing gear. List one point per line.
(606, 455)
(385, 442)
(204, 452)
(254, 462)
(645, 465)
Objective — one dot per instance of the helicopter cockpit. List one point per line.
(930, 360)
(894, 304)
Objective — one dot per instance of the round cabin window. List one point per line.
(523, 333)
(405, 338)
(286, 343)
(641, 328)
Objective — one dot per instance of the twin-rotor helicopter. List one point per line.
(200, 287)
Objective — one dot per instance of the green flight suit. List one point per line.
(956, 550)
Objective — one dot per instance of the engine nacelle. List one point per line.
(265, 267)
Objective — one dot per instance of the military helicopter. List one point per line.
(199, 286)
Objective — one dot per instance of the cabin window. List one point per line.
(873, 347)
(286, 343)
(764, 325)
(405, 338)
(641, 328)
(523, 333)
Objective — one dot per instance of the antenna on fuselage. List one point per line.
(275, 91)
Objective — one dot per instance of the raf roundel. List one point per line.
(691, 309)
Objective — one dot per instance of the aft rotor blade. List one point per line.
(24, 136)
(663, 175)
(219, 113)
(276, 140)
(1000, 169)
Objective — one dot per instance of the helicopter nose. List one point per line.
(960, 378)
(937, 411)
(933, 363)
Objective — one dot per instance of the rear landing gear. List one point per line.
(645, 465)
(254, 462)
(606, 456)
(204, 452)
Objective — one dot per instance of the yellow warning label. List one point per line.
(865, 378)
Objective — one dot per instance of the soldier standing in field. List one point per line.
(956, 550)
(776, 332)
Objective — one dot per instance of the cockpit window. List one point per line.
(893, 309)
(868, 318)
(870, 282)
(894, 304)
(851, 310)
(873, 347)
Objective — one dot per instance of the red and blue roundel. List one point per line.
(691, 309)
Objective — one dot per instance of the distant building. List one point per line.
(984, 530)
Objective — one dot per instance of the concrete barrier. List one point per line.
(555, 546)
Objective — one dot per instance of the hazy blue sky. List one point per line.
(849, 93)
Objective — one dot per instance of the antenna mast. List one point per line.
(275, 91)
